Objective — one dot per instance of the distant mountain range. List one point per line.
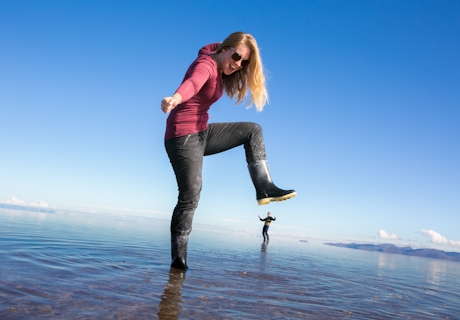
(408, 251)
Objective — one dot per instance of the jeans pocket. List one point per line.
(189, 147)
(186, 139)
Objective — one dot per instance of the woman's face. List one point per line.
(228, 64)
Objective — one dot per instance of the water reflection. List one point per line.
(61, 268)
(436, 270)
(169, 307)
(386, 260)
(263, 248)
(263, 255)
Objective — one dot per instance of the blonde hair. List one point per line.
(250, 77)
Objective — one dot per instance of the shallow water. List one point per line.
(86, 266)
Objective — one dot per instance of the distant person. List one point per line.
(233, 66)
(268, 220)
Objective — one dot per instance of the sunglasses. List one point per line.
(237, 57)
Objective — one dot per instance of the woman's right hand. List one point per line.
(168, 103)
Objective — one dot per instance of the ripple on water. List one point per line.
(84, 267)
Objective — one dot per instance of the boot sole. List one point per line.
(265, 201)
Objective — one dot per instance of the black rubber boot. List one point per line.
(266, 191)
(179, 246)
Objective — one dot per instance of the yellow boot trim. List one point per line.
(264, 201)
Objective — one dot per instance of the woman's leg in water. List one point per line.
(186, 157)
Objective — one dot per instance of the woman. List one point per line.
(233, 66)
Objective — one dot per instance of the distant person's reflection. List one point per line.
(263, 248)
(169, 307)
(263, 255)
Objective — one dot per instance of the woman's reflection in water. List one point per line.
(169, 307)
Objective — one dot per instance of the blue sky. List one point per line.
(363, 119)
